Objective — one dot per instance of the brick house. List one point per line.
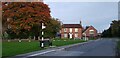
(71, 31)
(90, 32)
(77, 31)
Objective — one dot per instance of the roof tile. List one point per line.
(72, 26)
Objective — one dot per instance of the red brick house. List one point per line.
(90, 32)
(77, 31)
(71, 31)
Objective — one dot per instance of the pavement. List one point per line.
(99, 47)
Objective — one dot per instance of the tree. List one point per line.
(107, 33)
(115, 26)
(25, 16)
(52, 28)
(113, 30)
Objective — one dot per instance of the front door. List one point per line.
(70, 35)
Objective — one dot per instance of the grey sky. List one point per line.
(97, 14)
(81, 0)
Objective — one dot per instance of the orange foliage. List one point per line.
(25, 14)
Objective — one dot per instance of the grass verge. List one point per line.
(118, 45)
(14, 47)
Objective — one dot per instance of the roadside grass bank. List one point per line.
(118, 48)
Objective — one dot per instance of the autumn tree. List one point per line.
(23, 17)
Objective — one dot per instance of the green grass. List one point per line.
(92, 38)
(15, 47)
(118, 45)
(65, 42)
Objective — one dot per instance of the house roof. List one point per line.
(72, 26)
(87, 28)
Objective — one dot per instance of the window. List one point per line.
(65, 35)
(76, 29)
(70, 29)
(76, 35)
(91, 31)
(65, 29)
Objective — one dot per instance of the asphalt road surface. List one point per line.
(102, 47)
(105, 47)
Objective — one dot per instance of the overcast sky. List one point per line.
(97, 14)
(81, 0)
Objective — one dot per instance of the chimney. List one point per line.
(80, 22)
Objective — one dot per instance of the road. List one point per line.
(102, 47)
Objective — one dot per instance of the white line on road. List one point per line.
(44, 52)
(41, 53)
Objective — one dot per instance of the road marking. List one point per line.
(41, 53)
(60, 49)
(44, 52)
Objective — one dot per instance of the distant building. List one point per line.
(90, 32)
(71, 31)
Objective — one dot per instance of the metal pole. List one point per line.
(42, 44)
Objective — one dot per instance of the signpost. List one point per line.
(42, 42)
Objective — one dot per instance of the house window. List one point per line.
(70, 29)
(65, 29)
(65, 35)
(91, 31)
(76, 29)
(76, 35)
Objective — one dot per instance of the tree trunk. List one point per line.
(36, 35)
